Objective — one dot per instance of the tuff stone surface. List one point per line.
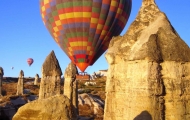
(51, 77)
(20, 84)
(57, 107)
(51, 66)
(95, 104)
(149, 70)
(70, 84)
(71, 71)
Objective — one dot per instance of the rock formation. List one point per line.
(70, 84)
(37, 80)
(20, 84)
(149, 70)
(57, 107)
(1, 79)
(51, 77)
(89, 104)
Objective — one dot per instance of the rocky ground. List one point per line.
(91, 98)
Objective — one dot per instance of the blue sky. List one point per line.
(23, 35)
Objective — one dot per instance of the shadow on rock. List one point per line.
(144, 115)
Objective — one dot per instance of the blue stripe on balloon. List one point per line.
(76, 25)
(105, 6)
(52, 3)
(79, 52)
(97, 1)
(92, 30)
(48, 10)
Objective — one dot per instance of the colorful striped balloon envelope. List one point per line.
(84, 28)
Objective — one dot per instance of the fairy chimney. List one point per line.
(37, 80)
(1, 79)
(51, 77)
(149, 69)
(20, 84)
(70, 84)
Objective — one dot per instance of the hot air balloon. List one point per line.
(12, 68)
(84, 28)
(30, 61)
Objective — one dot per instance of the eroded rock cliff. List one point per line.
(149, 70)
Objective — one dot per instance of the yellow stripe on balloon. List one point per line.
(90, 53)
(104, 32)
(43, 8)
(94, 20)
(70, 54)
(58, 23)
(55, 29)
(82, 14)
(78, 43)
(42, 16)
(54, 34)
(88, 48)
(46, 1)
(70, 48)
(73, 44)
(69, 15)
(114, 3)
(75, 15)
(62, 16)
(86, 14)
(84, 43)
(119, 11)
(100, 26)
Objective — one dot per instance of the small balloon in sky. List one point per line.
(30, 61)
(84, 28)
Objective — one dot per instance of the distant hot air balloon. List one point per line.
(30, 61)
(84, 28)
(12, 68)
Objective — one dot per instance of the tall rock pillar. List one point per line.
(70, 84)
(1, 79)
(37, 80)
(149, 70)
(51, 77)
(20, 84)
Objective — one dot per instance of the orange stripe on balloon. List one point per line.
(107, 2)
(47, 6)
(98, 31)
(93, 25)
(112, 8)
(56, 18)
(95, 15)
(101, 21)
